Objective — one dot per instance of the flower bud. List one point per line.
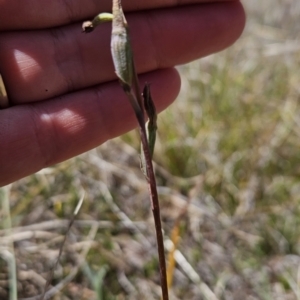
(120, 46)
(89, 26)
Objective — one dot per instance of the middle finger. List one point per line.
(38, 65)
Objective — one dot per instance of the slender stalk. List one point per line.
(156, 213)
(125, 70)
(150, 176)
(154, 203)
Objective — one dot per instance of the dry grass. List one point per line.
(234, 159)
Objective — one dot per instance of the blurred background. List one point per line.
(228, 169)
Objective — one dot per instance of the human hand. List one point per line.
(64, 96)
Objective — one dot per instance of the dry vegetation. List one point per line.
(227, 162)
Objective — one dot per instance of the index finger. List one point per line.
(34, 14)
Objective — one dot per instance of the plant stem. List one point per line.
(125, 70)
(135, 98)
(156, 215)
(153, 194)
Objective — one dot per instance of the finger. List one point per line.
(32, 14)
(42, 64)
(38, 135)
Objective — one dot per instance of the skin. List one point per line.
(63, 93)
